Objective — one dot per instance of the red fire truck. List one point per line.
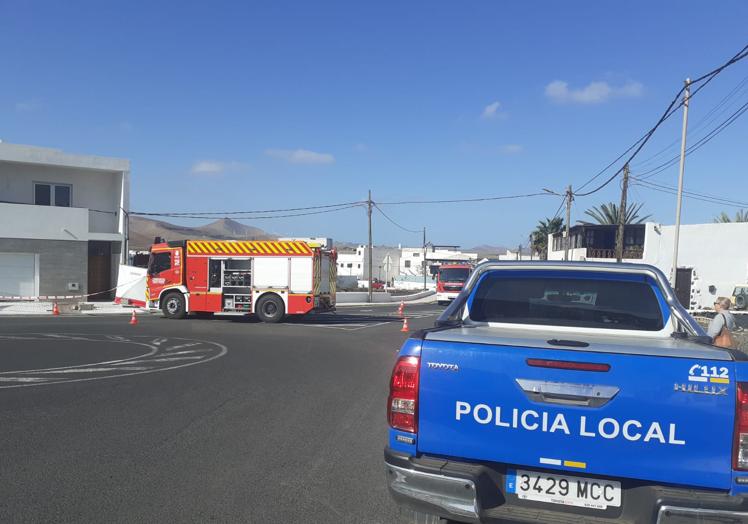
(270, 279)
(449, 281)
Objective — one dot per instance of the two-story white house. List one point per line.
(63, 221)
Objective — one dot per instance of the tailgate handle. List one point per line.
(566, 393)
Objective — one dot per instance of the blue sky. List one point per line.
(254, 105)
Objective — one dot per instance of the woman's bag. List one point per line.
(725, 338)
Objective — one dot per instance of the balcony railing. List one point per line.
(633, 252)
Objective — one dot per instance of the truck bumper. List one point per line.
(473, 492)
(446, 296)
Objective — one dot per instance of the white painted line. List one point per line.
(89, 370)
(172, 359)
(182, 346)
(22, 379)
(698, 379)
(549, 461)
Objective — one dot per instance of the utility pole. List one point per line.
(622, 215)
(567, 243)
(370, 250)
(686, 100)
(519, 252)
(424, 258)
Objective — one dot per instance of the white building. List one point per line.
(351, 264)
(63, 221)
(514, 255)
(712, 258)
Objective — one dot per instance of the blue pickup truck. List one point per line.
(568, 393)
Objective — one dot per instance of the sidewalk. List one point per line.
(30, 307)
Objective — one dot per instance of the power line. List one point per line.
(672, 107)
(457, 200)
(227, 213)
(708, 118)
(395, 223)
(698, 144)
(690, 194)
(253, 217)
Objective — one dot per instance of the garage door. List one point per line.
(18, 274)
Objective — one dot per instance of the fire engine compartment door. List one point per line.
(271, 272)
(301, 275)
(197, 282)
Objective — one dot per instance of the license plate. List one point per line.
(564, 489)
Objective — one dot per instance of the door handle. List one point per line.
(567, 393)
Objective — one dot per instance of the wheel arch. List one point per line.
(181, 289)
(260, 294)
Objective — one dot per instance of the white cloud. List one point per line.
(301, 156)
(592, 93)
(27, 106)
(491, 110)
(511, 149)
(213, 167)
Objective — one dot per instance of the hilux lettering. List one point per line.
(532, 420)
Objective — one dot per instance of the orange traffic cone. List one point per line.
(133, 318)
(401, 309)
(55, 310)
(405, 325)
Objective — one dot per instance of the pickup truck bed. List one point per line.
(568, 393)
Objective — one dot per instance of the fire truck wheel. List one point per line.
(270, 308)
(173, 305)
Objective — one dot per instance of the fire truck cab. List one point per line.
(270, 279)
(450, 280)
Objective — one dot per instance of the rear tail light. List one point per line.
(740, 447)
(402, 404)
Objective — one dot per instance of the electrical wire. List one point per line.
(560, 207)
(708, 118)
(671, 109)
(691, 194)
(253, 217)
(457, 200)
(227, 213)
(698, 144)
(395, 223)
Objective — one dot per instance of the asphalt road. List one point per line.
(198, 420)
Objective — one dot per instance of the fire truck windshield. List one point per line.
(159, 262)
(454, 274)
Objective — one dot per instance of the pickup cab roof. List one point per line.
(685, 323)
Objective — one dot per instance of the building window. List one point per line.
(350, 265)
(407, 263)
(53, 195)
(416, 255)
(359, 266)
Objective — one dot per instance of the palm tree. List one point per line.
(539, 236)
(608, 214)
(740, 216)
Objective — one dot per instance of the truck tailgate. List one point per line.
(649, 417)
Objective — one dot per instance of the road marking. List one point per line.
(156, 358)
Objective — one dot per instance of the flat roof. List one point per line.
(24, 154)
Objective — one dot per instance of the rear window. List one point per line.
(569, 302)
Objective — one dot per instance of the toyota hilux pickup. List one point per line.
(576, 393)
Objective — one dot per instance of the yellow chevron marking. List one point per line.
(242, 247)
(574, 464)
(294, 247)
(208, 248)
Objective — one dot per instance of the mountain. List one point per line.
(144, 230)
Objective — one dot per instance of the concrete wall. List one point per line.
(60, 262)
(91, 189)
(718, 254)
